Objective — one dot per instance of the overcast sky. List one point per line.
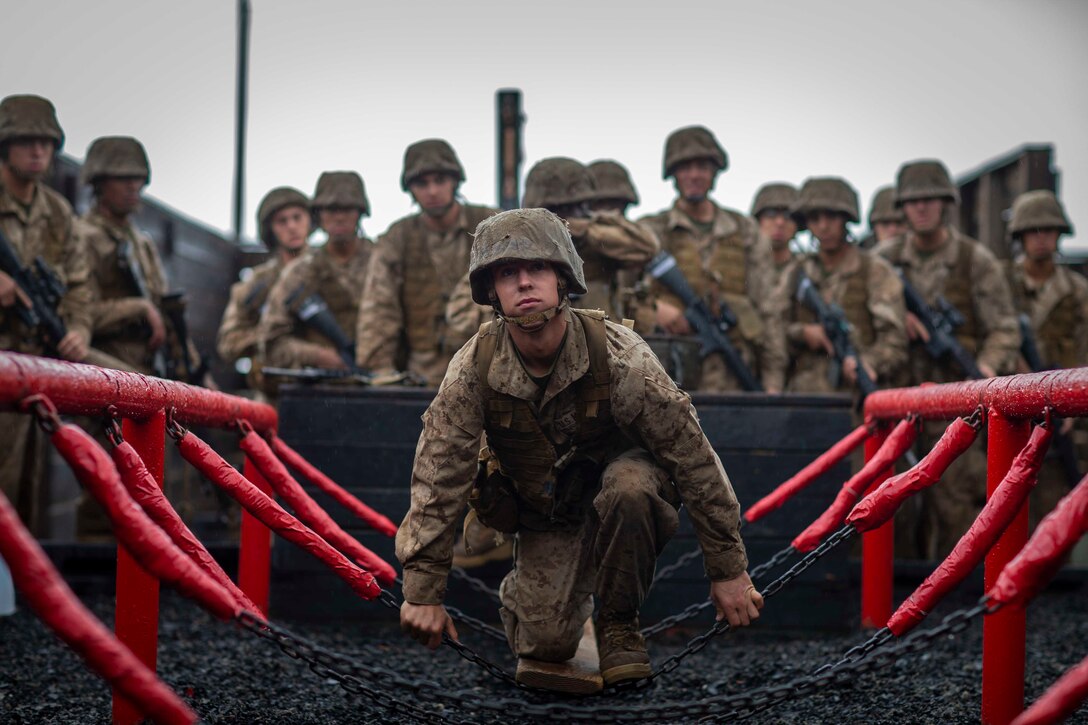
(792, 88)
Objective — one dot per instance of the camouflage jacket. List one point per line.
(873, 306)
(238, 331)
(285, 341)
(120, 323)
(729, 264)
(607, 244)
(47, 229)
(411, 278)
(964, 271)
(645, 405)
(1058, 310)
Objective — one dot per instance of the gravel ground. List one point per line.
(229, 676)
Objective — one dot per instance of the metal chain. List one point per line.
(861, 651)
(390, 600)
(694, 609)
(477, 585)
(680, 563)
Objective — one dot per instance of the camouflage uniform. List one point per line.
(45, 228)
(1057, 309)
(882, 209)
(285, 341)
(777, 196)
(615, 431)
(968, 276)
(238, 334)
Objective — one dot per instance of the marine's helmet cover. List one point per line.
(29, 117)
(924, 179)
(341, 188)
(279, 198)
(556, 181)
(1038, 209)
(612, 181)
(883, 207)
(828, 193)
(432, 155)
(522, 234)
(690, 143)
(115, 156)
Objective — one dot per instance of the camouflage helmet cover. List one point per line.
(115, 156)
(524, 234)
(558, 180)
(341, 188)
(690, 143)
(829, 193)
(778, 195)
(1038, 209)
(924, 179)
(279, 198)
(612, 181)
(883, 208)
(429, 156)
(29, 117)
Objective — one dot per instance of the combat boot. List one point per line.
(480, 544)
(621, 648)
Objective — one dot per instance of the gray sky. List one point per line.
(792, 88)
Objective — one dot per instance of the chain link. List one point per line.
(475, 584)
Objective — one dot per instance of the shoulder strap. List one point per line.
(595, 386)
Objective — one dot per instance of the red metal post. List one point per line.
(137, 617)
(255, 549)
(877, 555)
(1003, 633)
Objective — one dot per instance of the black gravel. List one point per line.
(229, 676)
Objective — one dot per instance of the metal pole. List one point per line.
(1004, 633)
(242, 92)
(137, 617)
(877, 555)
(255, 547)
(508, 154)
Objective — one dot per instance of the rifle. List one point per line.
(173, 306)
(44, 289)
(941, 324)
(838, 329)
(314, 312)
(712, 332)
(130, 267)
(1063, 444)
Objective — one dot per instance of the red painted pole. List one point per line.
(877, 555)
(137, 617)
(1003, 633)
(255, 549)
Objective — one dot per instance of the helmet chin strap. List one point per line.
(535, 320)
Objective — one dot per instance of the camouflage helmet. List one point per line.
(524, 234)
(690, 143)
(115, 156)
(774, 196)
(558, 180)
(924, 179)
(612, 181)
(429, 156)
(341, 188)
(1038, 210)
(279, 198)
(828, 193)
(29, 117)
(883, 208)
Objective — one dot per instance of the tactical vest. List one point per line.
(957, 291)
(424, 298)
(854, 303)
(554, 484)
(342, 301)
(1057, 333)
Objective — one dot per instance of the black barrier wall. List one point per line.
(365, 440)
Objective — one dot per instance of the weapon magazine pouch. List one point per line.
(493, 498)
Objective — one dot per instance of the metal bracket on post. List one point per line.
(137, 617)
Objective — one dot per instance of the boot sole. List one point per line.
(580, 675)
(623, 673)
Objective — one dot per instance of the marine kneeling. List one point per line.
(590, 451)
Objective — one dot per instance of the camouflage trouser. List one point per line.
(548, 595)
(22, 466)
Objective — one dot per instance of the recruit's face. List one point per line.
(120, 194)
(1040, 244)
(525, 286)
(887, 230)
(619, 206)
(829, 227)
(291, 227)
(29, 158)
(924, 215)
(433, 192)
(777, 225)
(694, 179)
(339, 222)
